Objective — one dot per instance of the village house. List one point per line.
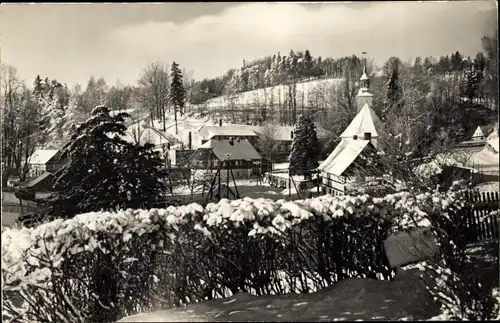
(236, 154)
(44, 160)
(225, 132)
(341, 168)
(283, 137)
(479, 134)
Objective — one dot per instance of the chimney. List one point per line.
(220, 122)
(368, 136)
(355, 137)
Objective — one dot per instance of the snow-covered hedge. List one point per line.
(461, 298)
(100, 266)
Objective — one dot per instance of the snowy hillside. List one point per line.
(275, 94)
(493, 140)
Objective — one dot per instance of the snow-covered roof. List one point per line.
(40, 179)
(42, 156)
(115, 112)
(364, 92)
(280, 132)
(208, 132)
(239, 150)
(343, 156)
(148, 135)
(364, 77)
(429, 169)
(365, 121)
(478, 132)
(482, 161)
(494, 143)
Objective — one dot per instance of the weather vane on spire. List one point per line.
(364, 56)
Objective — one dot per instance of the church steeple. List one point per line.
(364, 96)
(364, 81)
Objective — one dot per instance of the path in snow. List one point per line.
(349, 299)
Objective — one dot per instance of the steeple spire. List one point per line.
(364, 96)
(364, 80)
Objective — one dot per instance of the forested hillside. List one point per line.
(427, 96)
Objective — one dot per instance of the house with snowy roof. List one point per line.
(481, 133)
(359, 140)
(254, 134)
(225, 132)
(238, 155)
(44, 160)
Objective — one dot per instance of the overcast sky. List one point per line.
(116, 41)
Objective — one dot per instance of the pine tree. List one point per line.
(308, 64)
(177, 93)
(470, 84)
(456, 61)
(38, 87)
(104, 171)
(394, 93)
(305, 147)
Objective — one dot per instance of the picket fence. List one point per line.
(477, 220)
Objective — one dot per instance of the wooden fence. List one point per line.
(479, 220)
(21, 209)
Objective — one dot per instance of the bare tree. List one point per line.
(21, 122)
(136, 131)
(153, 88)
(199, 182)
(269, 140)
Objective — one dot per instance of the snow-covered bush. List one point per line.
(102, 265)
(460, 296)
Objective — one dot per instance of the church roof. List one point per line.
(365, 121)
(343, 156)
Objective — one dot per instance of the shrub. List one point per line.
(101, 266)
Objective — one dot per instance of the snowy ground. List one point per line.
(281, 166)
(304, 90)
(10, 207)
(489, 187)
(349, 299)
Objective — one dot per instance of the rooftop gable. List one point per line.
(239, 150)
(208, 132)
(365, 121)
(42, 156)
(343, 156)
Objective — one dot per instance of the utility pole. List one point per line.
(228, 156)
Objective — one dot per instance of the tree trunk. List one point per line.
(164, 120)
(175, 117)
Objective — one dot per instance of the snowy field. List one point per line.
(10, 207)
(306, 91)
(488, 187)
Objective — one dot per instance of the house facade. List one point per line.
(226, 132)
(238, 155)
(44, 160)
(343, 168)
(283, 138)
(283, 135)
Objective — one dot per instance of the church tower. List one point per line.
(364, 96)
